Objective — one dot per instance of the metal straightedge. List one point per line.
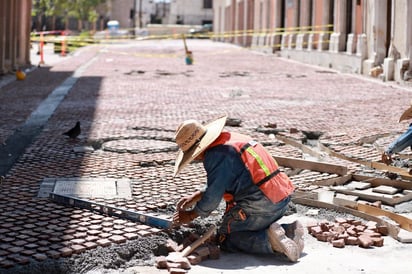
(149, 219)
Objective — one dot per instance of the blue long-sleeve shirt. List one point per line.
(402, 142)
(226, 173)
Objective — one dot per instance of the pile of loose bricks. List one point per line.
(343, 232)
(208, 250)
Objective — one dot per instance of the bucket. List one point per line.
(189, 58)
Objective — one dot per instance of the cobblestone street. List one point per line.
(129, 98)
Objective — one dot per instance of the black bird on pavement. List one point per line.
(73, 132)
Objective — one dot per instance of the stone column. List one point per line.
(303, 36)
(267, 24)
(337, 39)
(361, 46)
(275, 37)
(393, 54)
(245, 24)
(13, 18)
(219, 19)
(323, 43)
(291, 21)
(380, 30)
(284, 44)
(351, 43)
(27, 30)
(256, 23)
(262, 7)
(376, 31)
(236, 29)
(408, 74)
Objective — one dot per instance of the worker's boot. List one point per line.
(282, 244)
(295, 231)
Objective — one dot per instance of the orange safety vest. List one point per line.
(262, 167)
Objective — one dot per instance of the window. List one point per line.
(207, 4)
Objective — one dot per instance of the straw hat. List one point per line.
(407, 114)
(193, 138)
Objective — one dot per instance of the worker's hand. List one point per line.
(188, 201)
(386, 158)
(183, 217)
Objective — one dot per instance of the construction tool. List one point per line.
(177, 256)
(189, 54)
(149, 219)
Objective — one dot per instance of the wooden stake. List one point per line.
(184, 42)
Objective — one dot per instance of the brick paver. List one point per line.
(131, 99)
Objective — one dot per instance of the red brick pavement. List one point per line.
(130, 100)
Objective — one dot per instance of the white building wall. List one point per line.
(120, 10)
(399, 26)
(189, 12)
(366, 48)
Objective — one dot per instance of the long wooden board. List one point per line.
(403, 221)
(343, 177)
(400, 171)
(311, 165)
(299, 145)
(375, 181)
(376, 165)
(334, 181)
(371, 196)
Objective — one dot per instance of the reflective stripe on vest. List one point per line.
(261, 165)
(248, 147)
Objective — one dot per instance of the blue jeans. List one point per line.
(402, 142)
(245, 231)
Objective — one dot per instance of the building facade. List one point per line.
(15, 24)
(370, 37)
(191, 12)
(130, 13)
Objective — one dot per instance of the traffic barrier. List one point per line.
(41, 49)
(64, 44)
(63, 50)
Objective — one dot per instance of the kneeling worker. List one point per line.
(256, 192)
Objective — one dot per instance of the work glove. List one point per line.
(386, 158)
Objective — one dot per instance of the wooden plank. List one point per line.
(311, 165)
(369, 195)
(345, 201)
(299, 145)
(403, 221)
(335, 154)
(376, 181)
(376, 165)
(346, 197)
(333, 181)
(393, 229)
(304, 194)
(402, 172)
